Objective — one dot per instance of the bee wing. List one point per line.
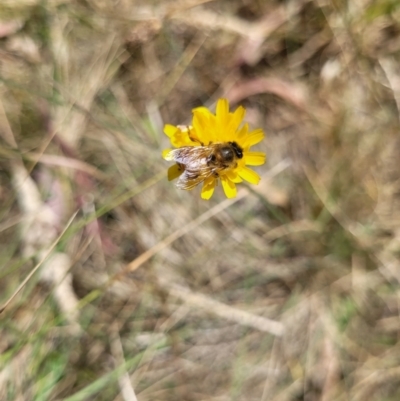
(188, 154)
(194, 162)
(190, 179)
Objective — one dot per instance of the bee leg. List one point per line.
(196, 140)
(191, 138)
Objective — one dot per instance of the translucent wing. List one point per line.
(194, 161)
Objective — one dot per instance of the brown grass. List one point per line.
(289, 292)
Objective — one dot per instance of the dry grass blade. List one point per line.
(144, 257)
(42, 260)
(225, 311)
(289, 291)
(127, 391)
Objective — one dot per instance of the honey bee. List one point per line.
(201, 162)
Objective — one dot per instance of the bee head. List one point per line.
(237, 149)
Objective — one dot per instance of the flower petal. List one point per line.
(254, 137)
(181, 138)
(228, 186)
(203, 110)
(233, 176)
(165, 154)
(170, 130)
(208, 188)
(202, 124)
(191, 135)
(174, 172)
(222, 117)
(181, 135)
(242, 134)
(254, 158)
(249, 175)
(222, 110)
(235, 120)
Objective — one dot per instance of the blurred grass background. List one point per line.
(289, 292)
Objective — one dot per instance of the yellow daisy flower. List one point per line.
(215, 147)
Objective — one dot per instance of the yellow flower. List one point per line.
(210, 131)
